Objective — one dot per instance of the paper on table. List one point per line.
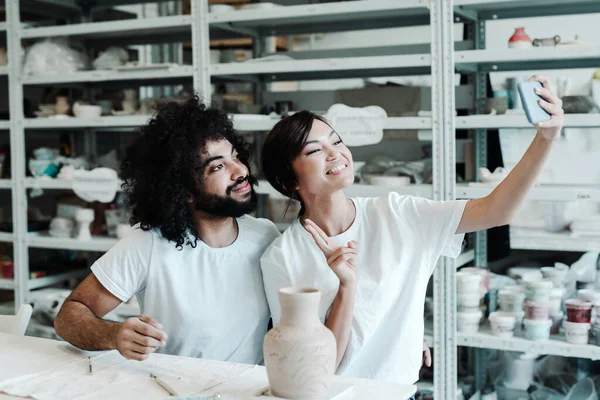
(115, 377)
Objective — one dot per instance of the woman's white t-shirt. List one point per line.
(400, 239)
(210, 301)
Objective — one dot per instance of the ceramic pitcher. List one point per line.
(300, 352)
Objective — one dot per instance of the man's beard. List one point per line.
(227, 206)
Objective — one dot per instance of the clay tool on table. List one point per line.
(163, 384)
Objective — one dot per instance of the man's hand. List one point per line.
(426, 362)
(342, 260)
(139, 336)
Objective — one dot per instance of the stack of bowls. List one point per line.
(537, 320)
(468, 301)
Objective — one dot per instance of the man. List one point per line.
(193, 261)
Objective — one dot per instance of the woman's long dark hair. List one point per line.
(282, 145)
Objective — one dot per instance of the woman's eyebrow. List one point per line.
(316, 141)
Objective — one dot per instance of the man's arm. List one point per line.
(80, 323)
(499, 207)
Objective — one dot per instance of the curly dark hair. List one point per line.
(159, 169)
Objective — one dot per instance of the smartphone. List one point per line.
(535, 113)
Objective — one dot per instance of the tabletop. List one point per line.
(49, 369)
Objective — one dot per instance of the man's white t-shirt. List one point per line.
(399, 239)
(210, 301)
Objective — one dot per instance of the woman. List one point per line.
(372, 258)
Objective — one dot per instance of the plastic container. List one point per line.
(484, 285)
(539, 310)
(467, 282)
(537, 330)
(467, 301)
(578, 310)
(556, 323)
(511, 300)
(519, 370)
(538, 290)
(503, 324)
(468, 322)
(577, 333)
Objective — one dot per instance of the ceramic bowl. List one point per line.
(87, 111)
(39, 167)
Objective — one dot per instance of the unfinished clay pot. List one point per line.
(300, 351)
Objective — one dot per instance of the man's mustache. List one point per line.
(248, 178)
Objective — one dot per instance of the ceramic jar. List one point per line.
(130, 103)
(520, 40)
(62, 106)
(300, 352)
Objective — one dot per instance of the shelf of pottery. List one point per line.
(563, 209)
(539, 314)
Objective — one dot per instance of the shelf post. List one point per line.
(444, 188)
(201, 49)
(17, 150)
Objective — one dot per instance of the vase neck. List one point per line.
(299, 306)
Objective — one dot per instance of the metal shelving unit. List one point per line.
(476, 63)
(442, 60)
(152, 30)
(535, 239)
(44, 241)
(555, 346)
(37, 283)
(327, 68)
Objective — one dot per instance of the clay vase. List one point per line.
(62, 106)
(520, 40)
(300, 351)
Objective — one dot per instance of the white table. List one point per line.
(24, 355)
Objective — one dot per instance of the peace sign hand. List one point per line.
(342, 260)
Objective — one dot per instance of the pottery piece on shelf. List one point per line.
(519, 39)
(130, 103)
(84, 218)
(62, 106)
(552, 41)
(300, 346)
(86, 111)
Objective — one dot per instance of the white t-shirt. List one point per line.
(399, 239)
(210, 301)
